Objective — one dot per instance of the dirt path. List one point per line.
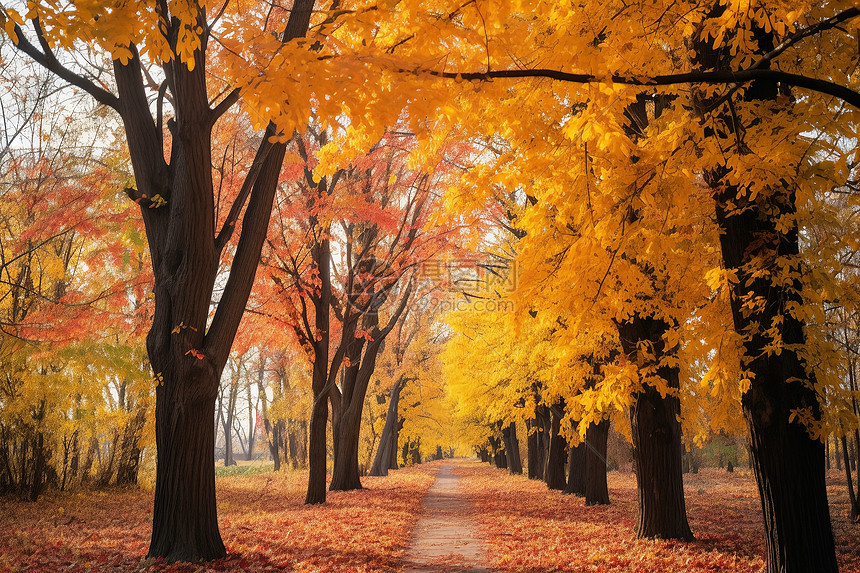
(446, 537)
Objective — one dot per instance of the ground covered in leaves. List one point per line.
(266, 526)
(531, 529)
(264, 523)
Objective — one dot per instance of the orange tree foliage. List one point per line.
(75, 392)
(620, 226)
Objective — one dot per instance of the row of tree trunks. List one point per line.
(411, 451)
(28, 465)
(499, 458)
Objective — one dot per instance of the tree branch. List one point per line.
(50, 63)
(225, 104)
(248, 184)
(716, 77)
(255, 224)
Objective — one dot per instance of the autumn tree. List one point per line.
(159, 53)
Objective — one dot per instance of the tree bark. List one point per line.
(252, 422)
(227, 423)
(387, 444)
(320, 381)
(350, 398)
(576, 470)
(657, 448)
(554, 471)
(596, 488)
(512, 447)
(129, 455)
(788, 463)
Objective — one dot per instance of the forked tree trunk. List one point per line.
(576, 470)
(387, 444)
(657, 448)
(596, 488)
(350, 398)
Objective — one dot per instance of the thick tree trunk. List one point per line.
(532, 449)
(596, 488)
(317, 453)
(345, 473)
(387, 441)
(788, 463)
(657, 448)
(185, 521)
(512, 447)
(576, 470)
(554, 471)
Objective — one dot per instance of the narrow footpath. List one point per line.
(446, 537)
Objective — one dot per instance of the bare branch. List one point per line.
(48, 61)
